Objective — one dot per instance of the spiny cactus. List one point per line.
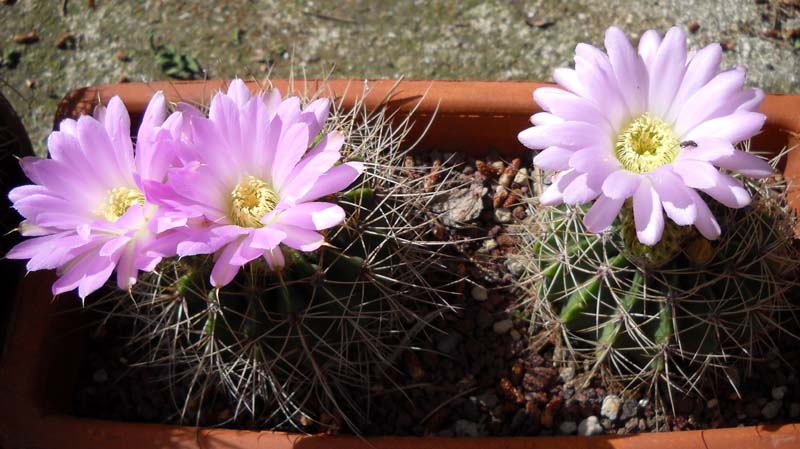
(304, 345)
(676, 314)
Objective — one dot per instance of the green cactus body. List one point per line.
(676, 312)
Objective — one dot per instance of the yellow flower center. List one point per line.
(118, 201)
(646, 144)
(251, 199)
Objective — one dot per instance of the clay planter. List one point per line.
(39, 367)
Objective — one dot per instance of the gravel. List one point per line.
(479, 293)
(590, 426)
(779, 392)
(611, 406)
(567, 428)
(772, 409)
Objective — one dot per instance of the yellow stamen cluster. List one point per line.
(251, 199)
(118, 201)
(646, 144)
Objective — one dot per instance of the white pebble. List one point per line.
(590, 426)
(502, 215)
(611, 406)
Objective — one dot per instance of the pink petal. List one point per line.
(553, 195)
(728, 191)
(733, 128)
(675, 197)
(751, 99)
(274, 259)
(267, 238)
(553, 158)
(102, 158)
(545, 118)
(299, 238)
(313, 165)
(88, 273)
(314, 115)
(594, 160)
(705, 221)
(647, 215)
(224, 112)
(238, 92)
(707, 149)
(696, 174)
(569, 106)
(602, 213)
(700, 70)
(715, 99)
(629, 69)
(568, 135)
(118, 124)
(666, 71)
(224, 271)
(154, 116)
(621, 184)
(334, 180)
(745, 163)
(315, 216)
(595, 72)
(291, 148)
(648, 47)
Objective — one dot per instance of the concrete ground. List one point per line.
(65, 44)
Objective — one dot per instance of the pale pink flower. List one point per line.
(87, 213)
(252, 171)
(655, 125)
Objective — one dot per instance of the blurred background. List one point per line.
(49, 47)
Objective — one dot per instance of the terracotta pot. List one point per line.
(37, 374)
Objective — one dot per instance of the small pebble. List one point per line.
(100, 376)
(643, 403)
(515, 267)
(122, 55)
(502, 215)
(567, 427)
(488, 400)
(449, 343)
(522, 176)
(629, 410)
(26, 38)
(484, 319)
(779, 392)
(794, 410)
(502, 327)
(611, 406)
(590, 426)
(772, 409)
(464, 428)
(479, 293)
(490, 244)
(515, 335)
(566, 374)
